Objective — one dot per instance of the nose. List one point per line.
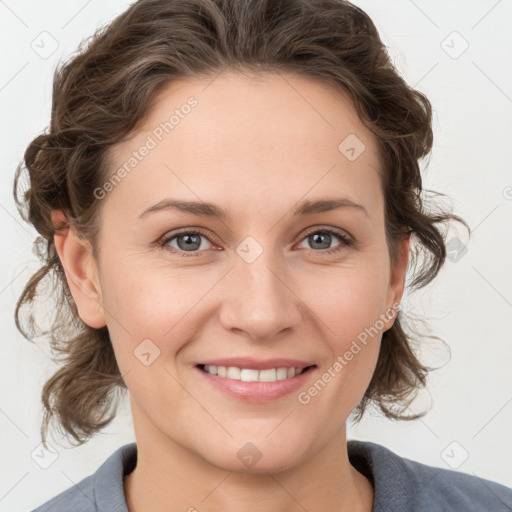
(259, 300)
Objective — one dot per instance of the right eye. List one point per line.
(186, 242)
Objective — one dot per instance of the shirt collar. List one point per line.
(382, 467)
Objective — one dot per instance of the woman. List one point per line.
(228, 191)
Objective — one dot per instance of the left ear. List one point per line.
(397, 276)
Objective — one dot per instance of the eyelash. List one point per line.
(346, 241)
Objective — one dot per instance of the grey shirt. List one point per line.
(401, 485)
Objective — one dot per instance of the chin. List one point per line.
(254, 457)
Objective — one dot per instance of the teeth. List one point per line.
(233, 373)
(267, 375)
(282, 373)
(249, 375)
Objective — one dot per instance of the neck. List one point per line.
(170, 477)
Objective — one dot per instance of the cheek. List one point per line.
(349, 300)
(147, 303)
(350, 310)
(350, 304)
(148, 325)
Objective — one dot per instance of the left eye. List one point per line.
(324, 238)
(191, 242)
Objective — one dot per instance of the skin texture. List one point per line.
(257, 147)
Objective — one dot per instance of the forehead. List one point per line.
(266, 107)
(269, 136)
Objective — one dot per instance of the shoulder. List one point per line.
(78, 498)
(408, 485)
(456, 490)
(102, 491)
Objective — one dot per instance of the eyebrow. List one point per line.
(204, 209)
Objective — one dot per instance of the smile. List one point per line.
(251, 375)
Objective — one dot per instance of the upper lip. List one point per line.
(257, 364)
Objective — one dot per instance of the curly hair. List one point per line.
(101, 95)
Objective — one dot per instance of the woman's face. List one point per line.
(272, 279)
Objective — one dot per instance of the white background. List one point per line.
(469, 305)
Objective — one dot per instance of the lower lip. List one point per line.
(257, 392)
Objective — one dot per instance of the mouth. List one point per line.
(248, 379)
(278, 373)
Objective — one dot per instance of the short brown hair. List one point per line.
(103, 93)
